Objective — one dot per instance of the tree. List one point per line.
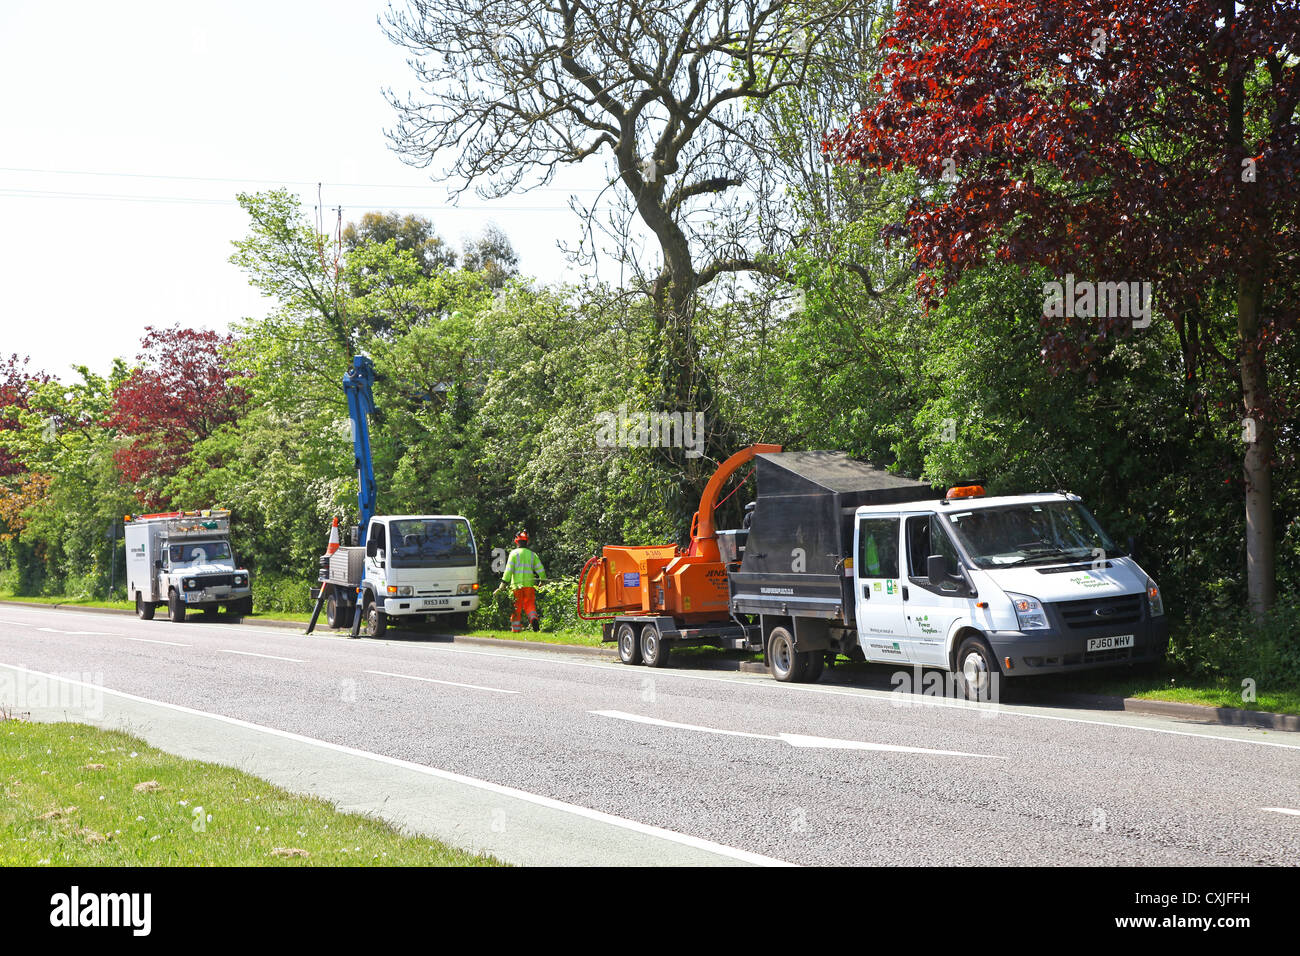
(413, 234)
(16, 385)
(492, 254)
(513, 89)
(1136, 140)
(182, 391)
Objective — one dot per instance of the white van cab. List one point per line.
(1017, 585)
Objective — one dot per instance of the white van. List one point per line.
(1017, 585)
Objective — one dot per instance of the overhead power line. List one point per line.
(252, 179)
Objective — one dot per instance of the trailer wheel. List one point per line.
(375, 620)
(629, 648)
(654, 652)
(787, 665)
(143, 609)
(175, 608)
(975, 669)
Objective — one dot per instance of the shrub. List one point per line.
(1228, 645)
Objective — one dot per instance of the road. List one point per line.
(735, 764)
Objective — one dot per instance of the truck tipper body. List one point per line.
(844, 558)
(183, 560)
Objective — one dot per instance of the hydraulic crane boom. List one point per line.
(358, 384)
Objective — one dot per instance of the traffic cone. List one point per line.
(334, 537)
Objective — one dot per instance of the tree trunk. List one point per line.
(1261, 581)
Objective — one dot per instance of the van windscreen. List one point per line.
(1032, 533)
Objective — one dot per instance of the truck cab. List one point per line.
(999, 586)
(412, 569)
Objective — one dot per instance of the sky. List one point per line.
(127, 129)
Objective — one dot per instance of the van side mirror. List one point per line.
(936, 569)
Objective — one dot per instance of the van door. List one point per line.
(930, 607)
(877, 595)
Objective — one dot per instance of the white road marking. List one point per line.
(292, 660)
(1286, 810)
(55, 630)
(794, 740)
(586, 812)
(149, 640)
(19, 623)
(449, 683)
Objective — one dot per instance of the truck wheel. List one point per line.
(654, 652)
(334, 612)
(787, 665)
(375, 622)
(143, 609)
(629, 648)
(975, 669)
(816, 664)
(175, 608)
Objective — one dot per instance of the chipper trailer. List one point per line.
(843, 558)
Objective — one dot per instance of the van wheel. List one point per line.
(816, 665)
(144, 609)
(175, 608)
(787, 665)
(629, 648)
(976, 669)
(375, 622)
(654, 652)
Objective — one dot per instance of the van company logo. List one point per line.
(74, 909)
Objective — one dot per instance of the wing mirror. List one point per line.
(936, 569)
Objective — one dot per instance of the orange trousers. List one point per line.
(525, 603)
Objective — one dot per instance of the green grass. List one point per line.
(1170, 685)
(64, 599)
(74, 795)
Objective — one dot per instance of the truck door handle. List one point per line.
(866, 591)
(904, 592)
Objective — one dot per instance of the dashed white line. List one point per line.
(449, 683)
(292, 660)
(149, 640)
(794, 740)
(1287, 810)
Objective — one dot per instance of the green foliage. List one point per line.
(1224, 643)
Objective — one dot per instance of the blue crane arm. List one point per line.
(358, 384)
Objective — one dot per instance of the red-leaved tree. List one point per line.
(182, 390)
(1117, 141)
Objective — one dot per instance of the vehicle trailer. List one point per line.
(844, 558)
(183, 560)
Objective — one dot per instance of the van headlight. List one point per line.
(1155, 603)
(239, 581)
(1029, 612)
(191, 584)
(466, 588)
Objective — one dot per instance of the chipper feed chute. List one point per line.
(660, 580)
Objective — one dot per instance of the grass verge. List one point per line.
(74, 795)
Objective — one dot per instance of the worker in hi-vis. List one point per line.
(523, 571)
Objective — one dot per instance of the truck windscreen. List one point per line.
(1031, 533)
(431, 543)
(200, 552)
